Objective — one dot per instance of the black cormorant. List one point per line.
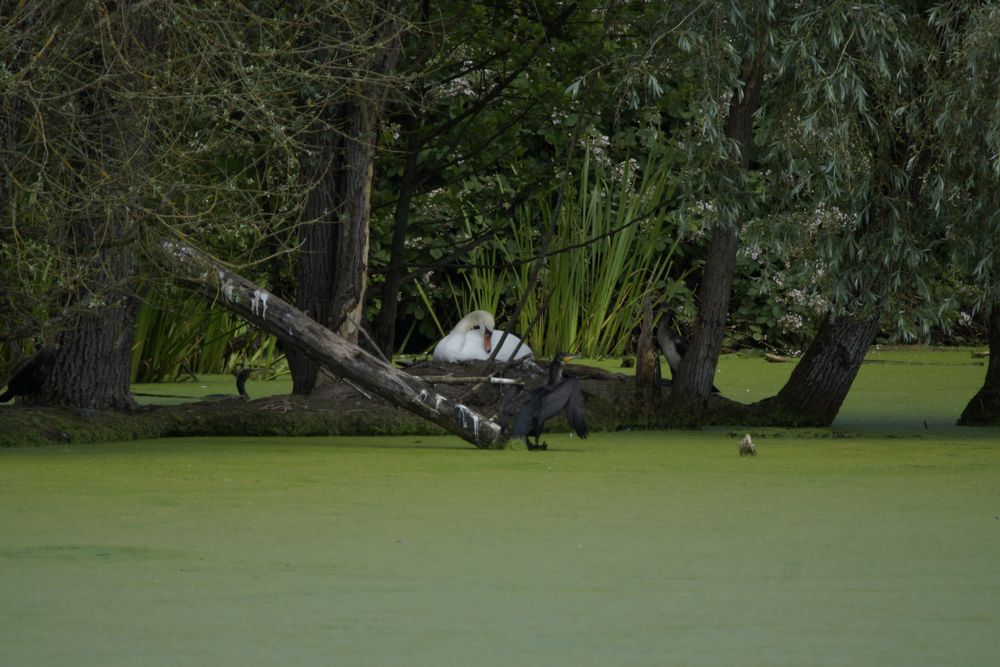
(28, 377)
(241, 382)
(673, 344)
(534, 408)
(241, 385)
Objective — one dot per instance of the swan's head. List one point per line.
(479, 319)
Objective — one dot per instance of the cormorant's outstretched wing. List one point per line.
(565, 396)
(556, 398)
(540, 405)
(574, 408)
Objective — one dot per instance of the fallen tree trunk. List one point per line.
(197, 270)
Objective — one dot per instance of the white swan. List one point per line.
(473, 338)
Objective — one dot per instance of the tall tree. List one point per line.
(719, 52)
(76, 164)
(694, 382)
(333, 261)
(867, 76)
(966, 180)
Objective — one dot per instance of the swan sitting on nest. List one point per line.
(473, 339)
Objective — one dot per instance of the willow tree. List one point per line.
(856, 77)
(721, 54)
(966, 184)
(806, 113)
(899, 117)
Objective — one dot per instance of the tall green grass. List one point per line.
(484, 289)
(611, 245)
(180, 333)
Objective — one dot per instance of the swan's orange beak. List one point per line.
(488, 340)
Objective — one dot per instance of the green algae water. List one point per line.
(872, 543)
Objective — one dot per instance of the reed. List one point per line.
(179, 334)
(612, 245)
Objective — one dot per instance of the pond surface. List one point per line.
(876, 547)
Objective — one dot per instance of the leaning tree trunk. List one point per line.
(820, 381)
(326, 348)
(692, 387)
(984, 408)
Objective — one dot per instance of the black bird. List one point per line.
(28, 377)
(673, 344)
(537, 406)
(241, 382)
(241, 385)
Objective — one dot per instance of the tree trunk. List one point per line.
(333, 269)
(692, 387)
(984, 408)
(93, 350)
(93, 360)
(385, 324)
(333, 257)
(326, 348)
(693, 384)
(351, 251)
(647, 364)
(315, 266)
(820, 381)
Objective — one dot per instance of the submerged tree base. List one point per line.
(983, 409)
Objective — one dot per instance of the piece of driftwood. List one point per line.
(460, 379)
(776, 358)
(198, 270)
(977, 354)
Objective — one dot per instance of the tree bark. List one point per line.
(692, 387)
(93, 360)
(341, 357)
(984, 408)
(333, 268)
(315, 266)
(819, 383)
(647, 364)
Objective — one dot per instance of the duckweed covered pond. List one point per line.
(877, 547)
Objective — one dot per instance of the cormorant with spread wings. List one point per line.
(532, 409)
